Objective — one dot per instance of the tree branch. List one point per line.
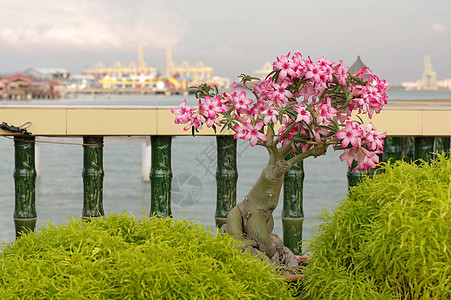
(316, 151)
(285, 150)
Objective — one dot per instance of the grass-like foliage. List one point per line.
(120, 257)
(390, 239)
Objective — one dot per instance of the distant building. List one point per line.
(444, 83)
(57, 74)
(20, 87)
(82, 81)
(357, 65)
(429, 80)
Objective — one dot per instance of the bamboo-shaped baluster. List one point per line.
(226, 178)
(407, 148)
(442, 145)
(160, 176)
(292, 211)
(392, 148)
(25, 184)
(424, 148)
(92, 177)
(354, 178)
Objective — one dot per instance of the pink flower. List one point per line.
(183, 112)
(254, 134)
(240, 132)
(326, 112)
(314, 72)
(350, 135)
(240, 100)
(303, 115)
(249, 132)
(374, 140)
(197, 119)
(321, 117)
(366, 159)
(319, 133)
(270, 114)
(280, 92)
(212, 107)
(350, 155)
(326, 69)
(342, 74)
(285, 66)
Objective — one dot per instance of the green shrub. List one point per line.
(120, 257)
(390, 239)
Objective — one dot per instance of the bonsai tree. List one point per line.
(301, 108)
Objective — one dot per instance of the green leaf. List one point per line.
(271, 127)
(272, 73)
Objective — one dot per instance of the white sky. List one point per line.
(233, 37)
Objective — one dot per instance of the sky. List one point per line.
(233, 37)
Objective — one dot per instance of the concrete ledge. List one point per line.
(397, 120)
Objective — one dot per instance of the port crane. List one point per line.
(117, 71)
(428, 81)
(196, 74)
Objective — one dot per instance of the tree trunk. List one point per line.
(251, 221)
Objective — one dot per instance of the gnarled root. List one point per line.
(254, 232)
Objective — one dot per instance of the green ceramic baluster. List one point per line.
(25, 184)
(392, 148)
(442, 145)
(407, 148)
(226, 178)
(92, 177)
(160, 176)
(292, 212)
(354, 178)
(424, 147)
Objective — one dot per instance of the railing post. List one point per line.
(160, 176)
(442, 145)
(226, 177)
(424, 147)
(292, 211)
(407, 148)
(392, 148)
(354, 178)
(25, 184)
(92, 177)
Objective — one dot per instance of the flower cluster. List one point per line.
(311, 104)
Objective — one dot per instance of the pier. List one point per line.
(21, 87)
(415, 129)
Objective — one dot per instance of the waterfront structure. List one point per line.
(197, 74)
(54, 74)
(175, 78)
(22, 87)
(444, 84)
(357, 65)
(429, 80)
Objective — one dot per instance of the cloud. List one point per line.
(437, 28)
(89, 25)
(223, 52)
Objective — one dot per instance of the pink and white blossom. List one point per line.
(311, 97)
